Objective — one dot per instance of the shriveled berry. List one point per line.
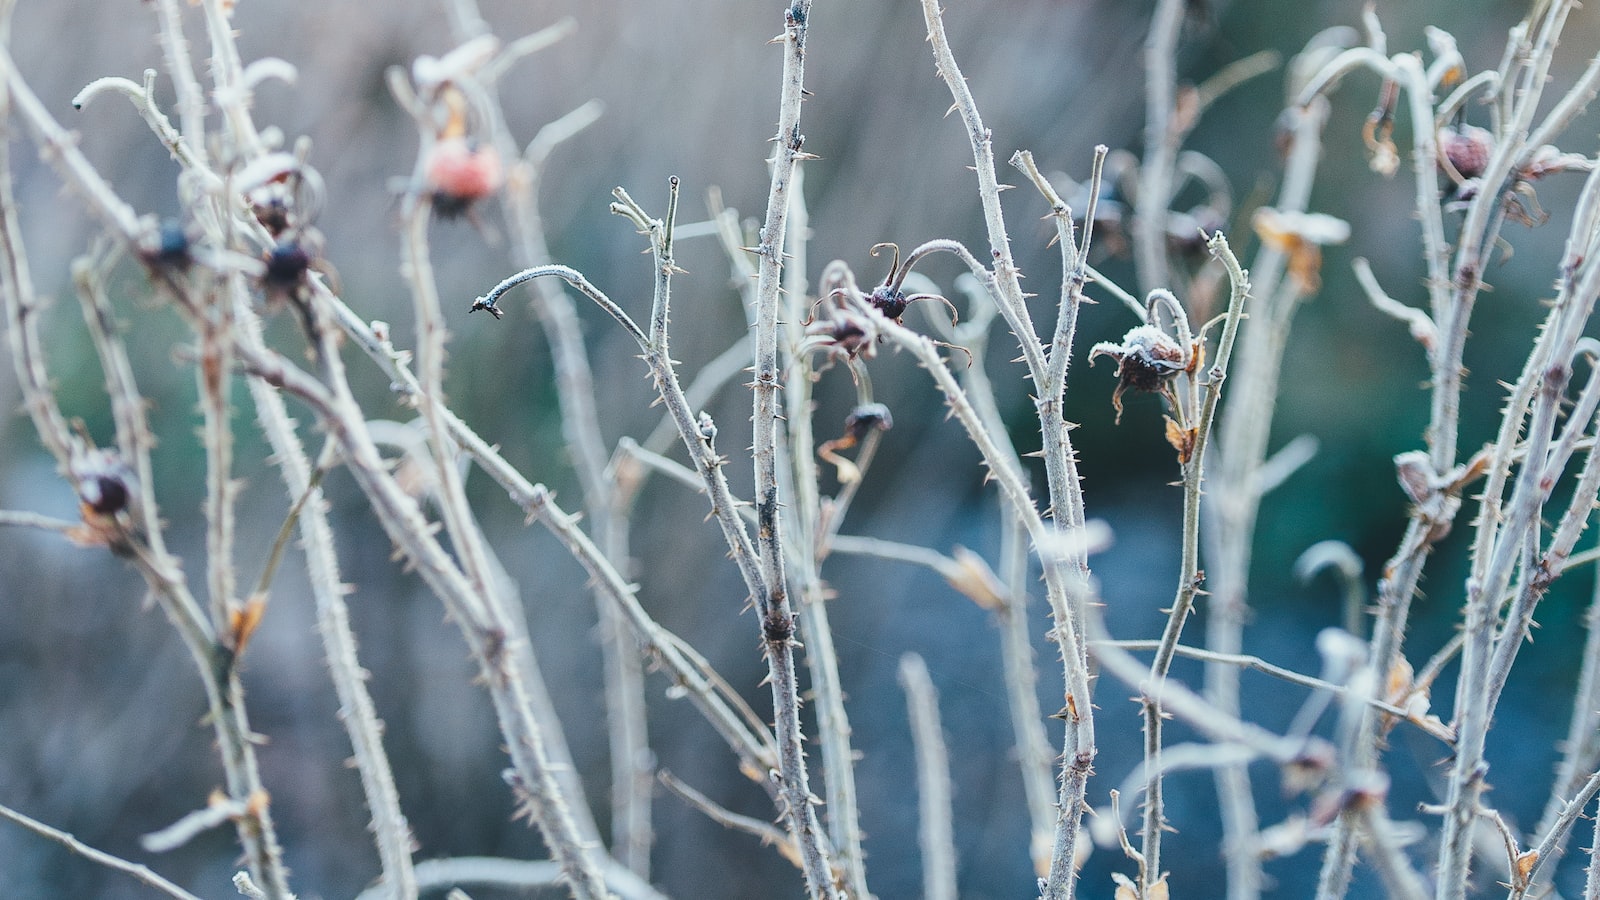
(103, 482)
(459, 173)
(286, 266)
(1467, 148)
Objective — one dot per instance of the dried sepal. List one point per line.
(243, 622)
(1549, 160)
(1301, 236)
(1523, 865)
(1128, 890)
(1378, 132)
(1182, 439)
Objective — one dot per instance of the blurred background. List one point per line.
(100, 730)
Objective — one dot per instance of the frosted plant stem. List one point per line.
(778, 627)
(1160, 145)
(1235, 499)
(936, 832)
(1189, 574)
(224, 696)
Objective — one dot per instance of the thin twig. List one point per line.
(768, 834)
(142, 873)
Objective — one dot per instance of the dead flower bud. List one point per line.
(286, 265)
(1548, 160)
(1361, 791)
(1147, 360)
(285, 277)
(1466, 150)
(282, 191)
(104, 483)
(459, 173)
(846, 333)
(863, 420)
(167, 246)
(866, 418)
(1309, 769)
(1301, 236)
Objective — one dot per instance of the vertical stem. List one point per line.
(1581, 749)
(1189, 575)
(632, 764)
(822, 661)
(1022, 678)
(214, 374)
(935, 830)
(1062, 574)
(391, 832)
(777, 613)
(1235, 499)
(1160, 145)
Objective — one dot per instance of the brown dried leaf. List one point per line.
(1525, 863)
(973, 578)
(1182, 440)
(87, 535)
(243, 621)
(1398, 684)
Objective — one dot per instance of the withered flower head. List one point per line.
(868, 417)
(862, 421)
(103, 481)
(1147, 359)
(845, 332)
(285, 266)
